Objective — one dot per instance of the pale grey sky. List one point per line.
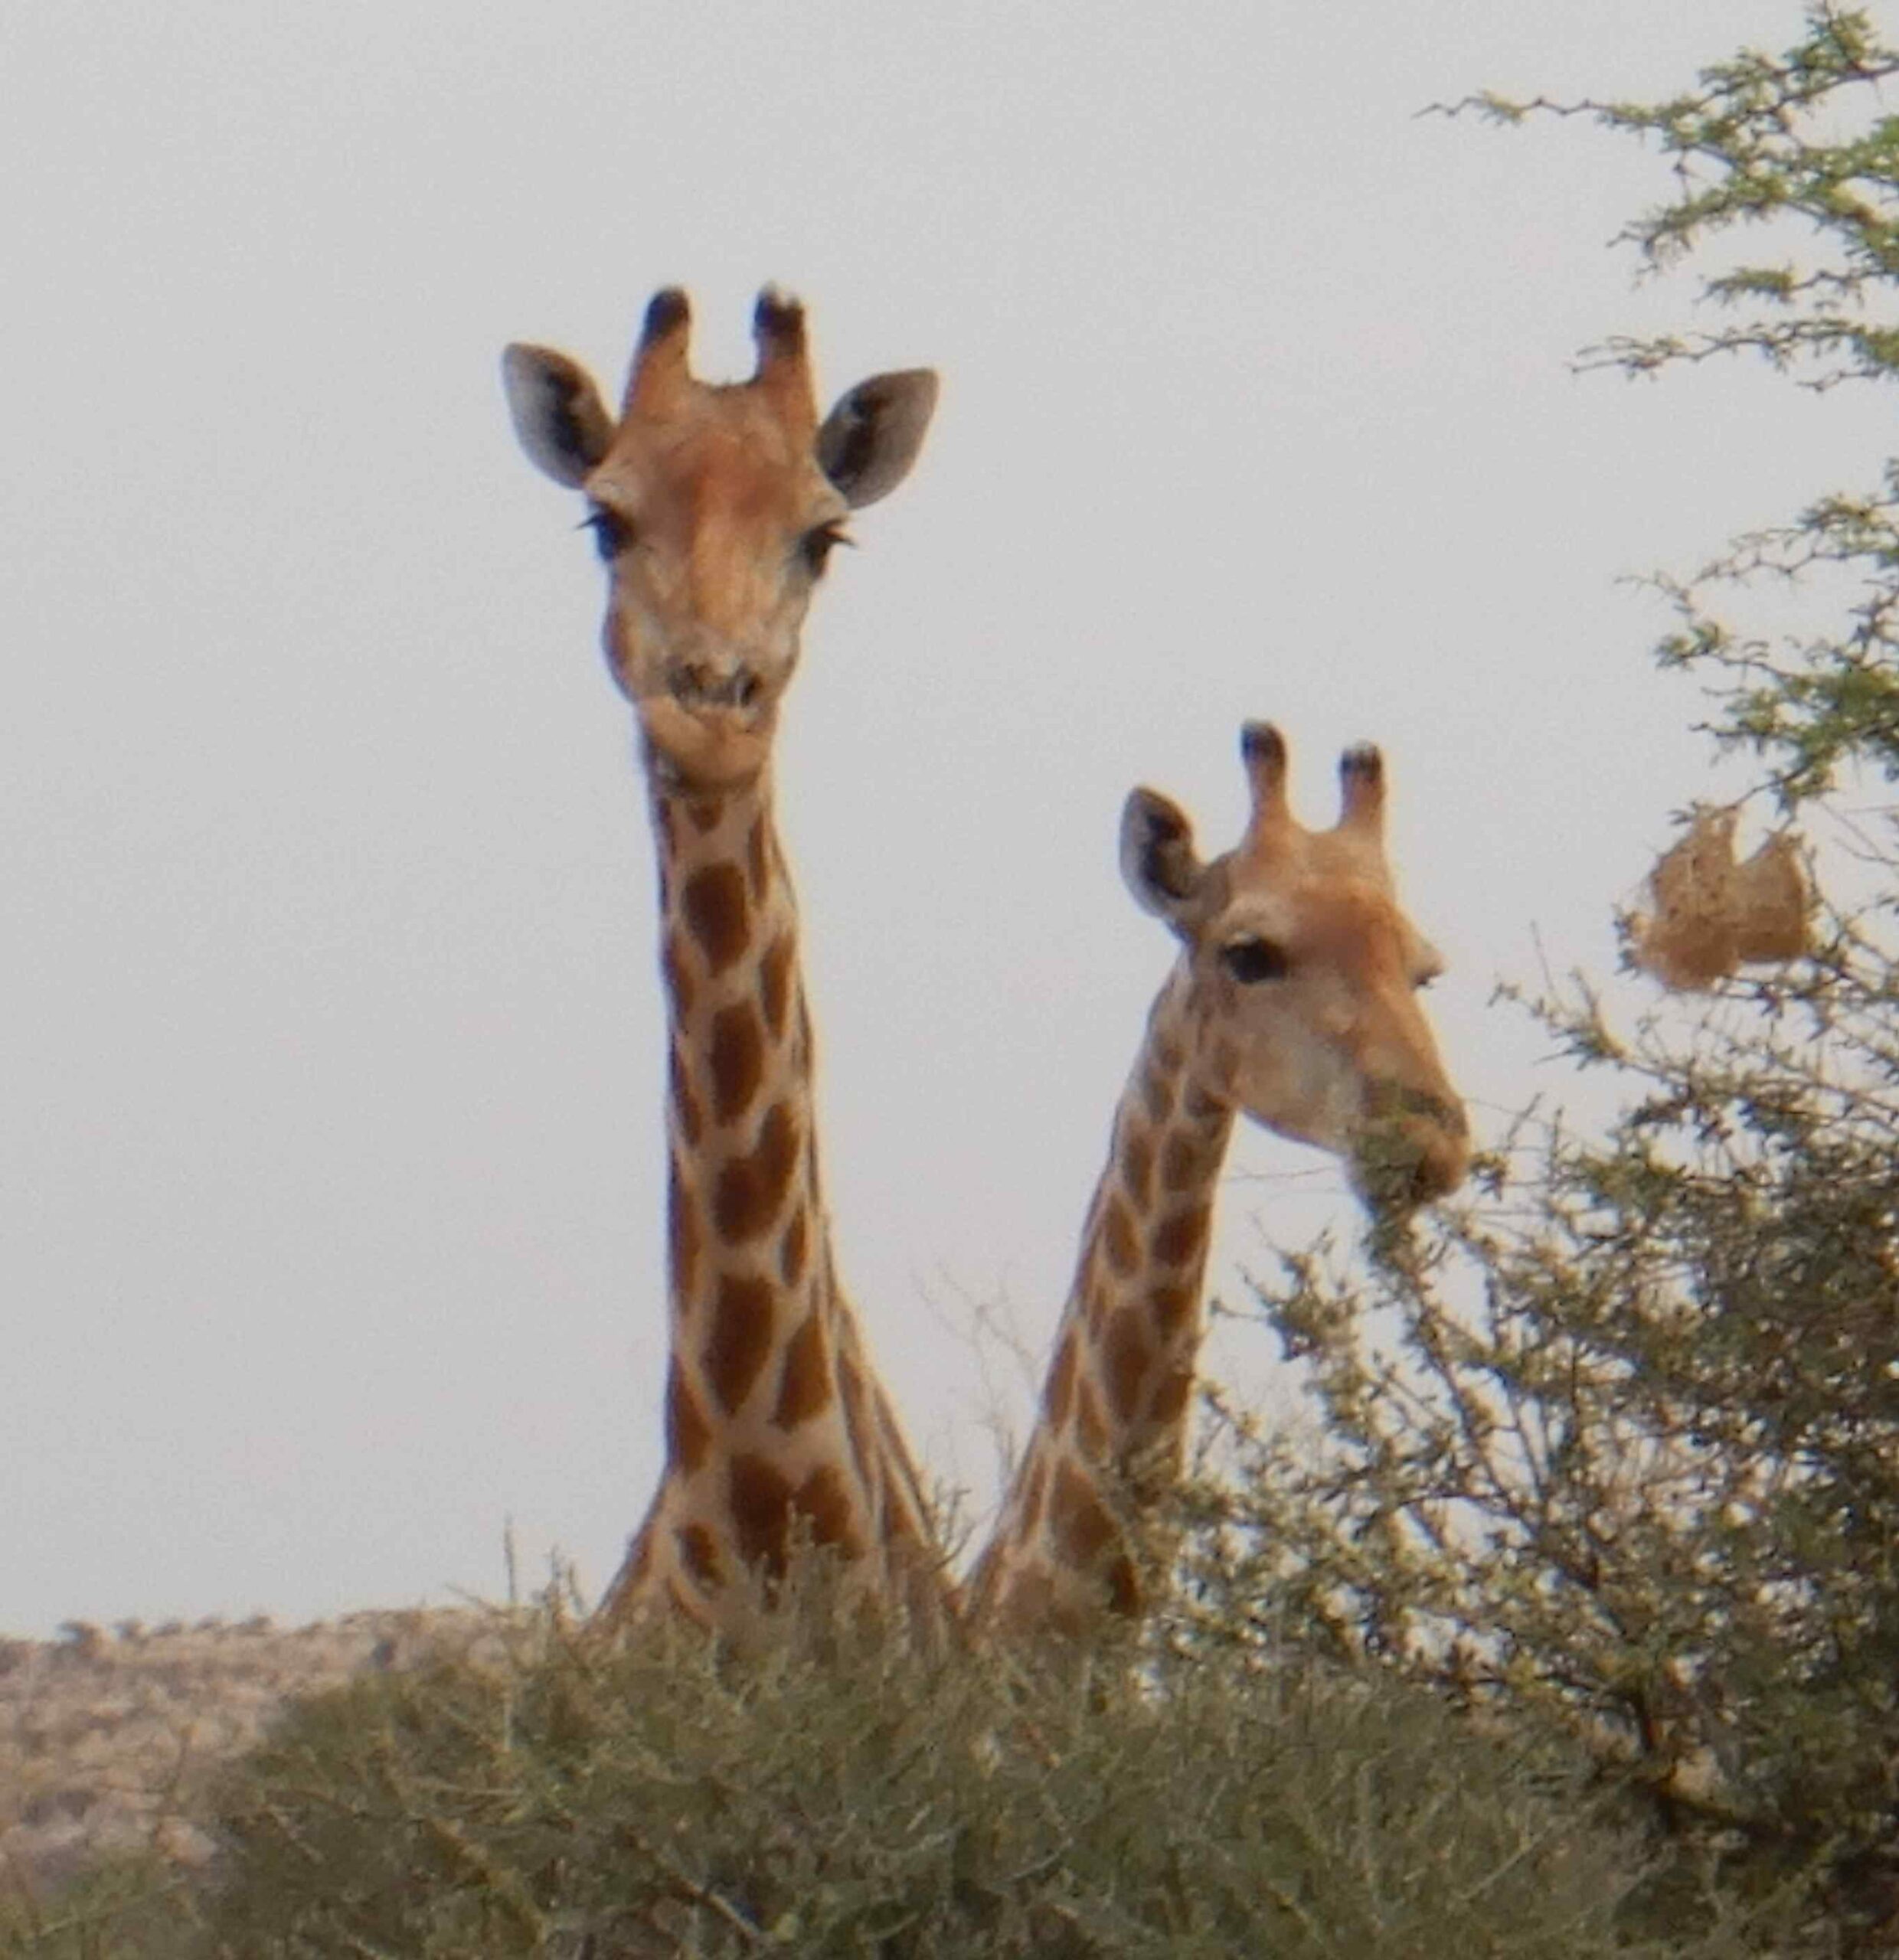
(331, 1152)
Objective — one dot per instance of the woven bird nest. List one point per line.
(1709, 916)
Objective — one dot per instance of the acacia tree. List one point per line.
(1630, 1459)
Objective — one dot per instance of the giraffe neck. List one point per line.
(1067, 1548)
(776, 1427)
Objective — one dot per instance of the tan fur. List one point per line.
(1335, 1051)
(777, 1430)
(715, 499)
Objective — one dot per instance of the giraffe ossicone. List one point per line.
(715, 508)
(1292, 1000)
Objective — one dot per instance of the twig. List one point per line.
(690, 1889)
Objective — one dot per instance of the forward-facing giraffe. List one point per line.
(715, 508)
(1293, 999)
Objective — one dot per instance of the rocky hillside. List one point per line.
(107, 1738)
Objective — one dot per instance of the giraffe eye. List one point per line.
(612, 534)
(1250, 960)
(816, 546)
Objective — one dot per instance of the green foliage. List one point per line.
(839, 1794)
(1764, 141)
(1793, 153)
(1616, 1445)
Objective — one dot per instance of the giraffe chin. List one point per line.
(705, 748)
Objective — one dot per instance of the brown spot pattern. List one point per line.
(774, 983)
(1117, 1234)
(1183, 1163)
(900, 1531)
(1127, 1357)
(1124, 1588)
(736, 1060)
(1098, 1301)
(741, 1339)
(705, 814)
(1090, 1431)
(1029, 1602)
(793, 1249)
(1181, 1234)
(714, 903)
(1061, 1381)
(699, 1552)
(750, 1188)
(824, 1499)
(687, 1433)
(1077, 1517)
(1170, 1397)
(1137, 1166)
(1170, 1307)
(761, 1496)
(1034, 1494)
(804, 1382)
(1157, 1095)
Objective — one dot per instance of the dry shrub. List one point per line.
(834, 1794)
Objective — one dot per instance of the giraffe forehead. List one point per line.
(1353, 923)
(1371, 942)
(727, 459)
(1287, 856)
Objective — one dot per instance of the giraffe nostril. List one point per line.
(711, 682)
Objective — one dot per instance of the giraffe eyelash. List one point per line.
(816, 546)
(612, 533)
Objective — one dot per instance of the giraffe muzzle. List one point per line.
(1415, 1147)
(733, 684)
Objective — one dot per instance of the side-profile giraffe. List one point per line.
(1293, 999)
(715, 508)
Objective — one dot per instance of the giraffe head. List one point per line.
(715, 508)
(1302, 974)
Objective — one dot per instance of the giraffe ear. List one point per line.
(558, 415)
(870, 439)
(1157, 858)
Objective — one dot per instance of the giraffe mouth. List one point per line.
(1414, 1148)
(700, 685)
(706, 745)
